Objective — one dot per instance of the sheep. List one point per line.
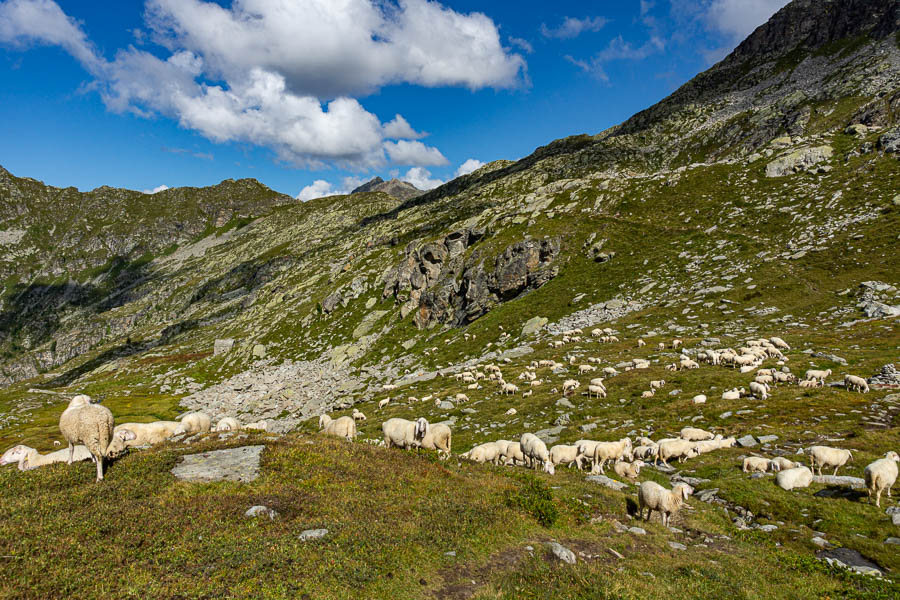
(228, 424)
(561, 454)
(129, 435)
(784, 377)
(604, 451)
(29, 458)
(680, 449)
(511, 411)
(358, 415)
(760, 390)
(535, 451)
(258, 425)
(645, 452)
(512, 453)
(586, 368)
(461, 398)
(657, 384)
(765, 380)
(487, 452)
(881, 475)
(344, 427)
(666, 502)
(647, 394)
(596, 390)
(687, 363)
(858, 383)
(644, 441)
(641, 343)
(692, 434)
(781, 463)
(598, 381)
(699, 399)
(88, 424)
(755, 464)
(820, 375)
(797, 477)
(401, 433)
(438, 437)
(810, 383)
(629, 470)
(527, 394)
(510, 388)
(610, 371)
(535, 383)
(383, 403)
(825, 456)
(661, 346)
(779, 343)
(196, 422)
(570, 385)
(734, 394)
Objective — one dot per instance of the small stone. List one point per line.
(726, 414)
(587, 427)
(533, 325)
(748, 441)
(561, 552)
(606, 481)
(259, 351)
(446, 405)
(892, 540)
(820, 542)
(637, 530)
(677, 546)
(261, 511)
(312, 534)
(765, 439)
(768, 528)
(450, 553)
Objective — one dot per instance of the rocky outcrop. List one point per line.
(396, 188)
(441, 285)
(799, 160)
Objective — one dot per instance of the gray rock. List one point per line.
(879, 310)
(564, 402)
(893, 540)
(637, 530)
(259, 351)
(895, 519)
(261, 511)
(856, 483)
(890, 141)
(587, 427)
(561, 552)
(223, 346)
(562, 420)
(677, 546)
(233, 464)
(768, 528)
(798, 160)
(446, 405)
(606, 481)
(748, 441)
(832, 357)
(533, 325)
(766, 439)
(310, 535)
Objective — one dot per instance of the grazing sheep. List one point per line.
(586, 368)
(734, 394)
(29, 458)
(692, 434)
(657, 384)
(881, 475)
(196, 422)
(344, 427)
(598, 381)
(88, 424)
(129, 435)
(569, 386)
(675, 344)
(661, 346)
(653, 496)
(228, 424)
(645, 452)
(401, 433)
(687, 363)
(644, 441)
(641, 343)
(510, 388)
(810, 383)
(852, 382)
(680, 449)
(779, 343)
(487, 452)
(567, 455)
(825, 456)
(258, 425)
(820, 375)
(383, 403)
(610, 371)
(527, 394)
(760, 390)
(535, 451)
(755, 464)
(461, 398)
(358, 415)
(610, 451)
(647, 394)
(780, 463)
(630, 470)
(438, 437)
(797, 477)
(511, 453)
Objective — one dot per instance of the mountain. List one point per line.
(760, 200)
(394, 187)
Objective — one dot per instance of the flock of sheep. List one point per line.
(90, 431)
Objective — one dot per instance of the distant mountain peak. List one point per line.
(396, 188)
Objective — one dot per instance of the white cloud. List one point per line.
(321, 188)
(282, 74)
(157, 189)
(572, 27)
(522, 44)
(618, 49)
(467, 167)
(736, 19)
(403, 152)
(421, 178)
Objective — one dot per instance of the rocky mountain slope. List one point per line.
(394, 187)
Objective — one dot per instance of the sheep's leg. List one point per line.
(878, 498)
(99, 468)
(71, 453)
(835, 470)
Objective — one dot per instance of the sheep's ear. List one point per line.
(126, 435)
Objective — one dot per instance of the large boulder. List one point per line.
(799, 160)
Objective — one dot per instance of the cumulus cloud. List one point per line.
(522, 44)
(283, 74)
(618, 49)
(321, 188)
(421, 178)
(157, 189)
(736, 19)
(472, 164)
(572, 27)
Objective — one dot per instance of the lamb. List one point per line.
(586, 368)
(610, 371)
(527, 394)
(196, 422)
(401, 433)
(512, 453)
(666, 502)
(596, 390)
(604, 451)
(675, 344)
(797, 477)
(438, 437)
(661, 346)
(760, 390)
(692, 434)
(820, 375)
(358, 415)
(881, 475)
(824, 456)
(755, 464)
(88, 424)
(228, 424)
(344, 427)
(535, 451)
(680, 449)
(657, 384)
(852, 382)
(629, 470)
(780, 463)
(29, 458)
(383, 403)
(488, 452)
(561, 454)
(129, 435)
(641, 343)
(510, 388)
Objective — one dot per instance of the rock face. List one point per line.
(799, 160)
(234, 464)
(396, 188)
(437, 282)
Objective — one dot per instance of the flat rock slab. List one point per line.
(857, 483)
(604, 480)
(234, 464)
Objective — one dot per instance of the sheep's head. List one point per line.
(119, 443)
(683, 490)
(80, 400)
(14, 455)
(548, 467)
(421, 428)
(323, 421)
(693, 452)
(892, 456)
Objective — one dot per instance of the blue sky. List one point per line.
(304, 95)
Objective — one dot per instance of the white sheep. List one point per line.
(680, 449)
(511, 453)
(734, 394)
(566, 455)
(461, 398)
(779, 343)
(383, 403)
(510, 388)
(688, 364)
(693, 434)
(610, 371)
(653, 496)
(438, 437)
(483, 453)
(228, 424)
(781, 463)
(586, 368)
(258, 425)
(760, 390)
(852, 382)
(755, 464)
(535, 451)
(641, 343)
(129, 435)
(611, 451)
(596, 390)
(401, 433)
(630, 470)
(647, 394)
(29, 458)
(820, 375)
(88, 424)
(825, 456)
(344, 427)
(645, 452)
(358, 415)
(661, 345)
(797, 477)
(196, 422)
(569, 386)
(881, 475)
(657, 384)
(810, 383)
(598, 381)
